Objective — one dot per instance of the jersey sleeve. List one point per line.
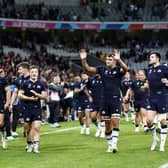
(17, 83)
(132, 85)
(24, 86)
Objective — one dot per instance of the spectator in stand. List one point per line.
(55, 93)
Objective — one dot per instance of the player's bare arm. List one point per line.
(117, 57)
(83, 56)
(26, 98)
(8, 95)
(43, 95)
(127, 95)
(14, 96)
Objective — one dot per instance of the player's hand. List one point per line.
(6, 106)
(164, 80)
(82, 87)
(83, 54)
(11, 108)
(125, 99)
(144, 87)
(34, 98)
(116, 54)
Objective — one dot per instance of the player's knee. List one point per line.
(1, 124)
(149, 122)
(163, 122)
(108, 124)
(94, 120)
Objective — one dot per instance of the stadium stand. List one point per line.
(73, 10)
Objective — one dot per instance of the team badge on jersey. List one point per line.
(93, 82)
(114, 72)
(106, 72)
(38, 86)
(150, 71)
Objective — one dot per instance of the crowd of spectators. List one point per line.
(39, 11)
(130, 10)
(116, 10)
(159, 9)
(43, 59)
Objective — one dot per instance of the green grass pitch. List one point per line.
(65, 148)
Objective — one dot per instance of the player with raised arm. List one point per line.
(111, 76)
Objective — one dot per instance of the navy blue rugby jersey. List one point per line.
(138, 93)
(125, 85)
(154, 76)
(95, 85)
(81, 95)
(111, 79)
(166, 86)
(3, 85)
(20, 81)
(37, 86)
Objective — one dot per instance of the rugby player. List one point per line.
(111, 76)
